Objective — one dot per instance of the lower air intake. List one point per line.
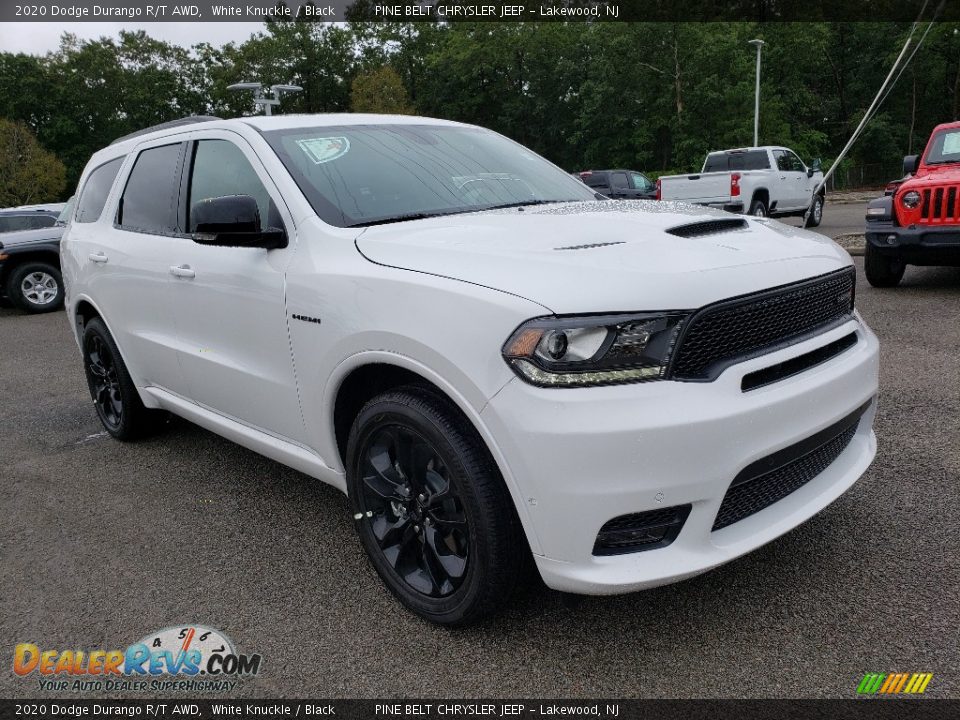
(641, 531)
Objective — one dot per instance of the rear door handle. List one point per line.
(98, 257)
(182, 271)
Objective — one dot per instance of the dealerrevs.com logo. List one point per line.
(894, 683)
(185, 658)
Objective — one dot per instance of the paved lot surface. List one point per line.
(839, 218)
(102, 542)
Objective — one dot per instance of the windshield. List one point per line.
(944, 147)
(356, 175)
(64, 217)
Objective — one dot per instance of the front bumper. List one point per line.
(584, 456)
(916, 244)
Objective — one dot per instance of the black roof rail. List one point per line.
(190, 120)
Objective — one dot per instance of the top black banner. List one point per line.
(480, 10)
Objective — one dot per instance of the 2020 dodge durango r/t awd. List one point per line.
(488, 359)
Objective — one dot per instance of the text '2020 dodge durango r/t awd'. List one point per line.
(487, 357)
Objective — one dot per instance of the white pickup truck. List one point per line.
(763, 181)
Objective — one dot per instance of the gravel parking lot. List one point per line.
(102, 542)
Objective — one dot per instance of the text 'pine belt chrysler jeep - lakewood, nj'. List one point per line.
(490, 360)
(920, 223)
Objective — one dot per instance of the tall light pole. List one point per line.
(756, 100)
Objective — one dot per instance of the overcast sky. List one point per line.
(40, 38)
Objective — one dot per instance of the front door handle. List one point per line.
(98, 257)
(182, 271)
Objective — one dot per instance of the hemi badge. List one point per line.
(306, 318)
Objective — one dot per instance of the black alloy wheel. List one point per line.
(432, 510)
(104, 383)
(115, 397)
(417, 516)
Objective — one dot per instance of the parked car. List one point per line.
(920, 223)
(761, 181)
(30, 258)
(620, 184)
(488, 360)
(29, 217)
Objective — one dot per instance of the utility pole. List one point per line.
(262, 100)
(756, 100)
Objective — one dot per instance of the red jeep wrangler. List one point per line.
(920, 223)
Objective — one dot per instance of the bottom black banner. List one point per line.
(872, 709)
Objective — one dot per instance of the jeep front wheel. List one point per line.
(882, 271)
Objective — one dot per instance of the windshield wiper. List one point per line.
(400, 218)
(519, 204)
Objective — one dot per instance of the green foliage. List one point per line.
(380, 91)
(652, 96)
(28, 173)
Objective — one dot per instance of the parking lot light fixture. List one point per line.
(261, 99)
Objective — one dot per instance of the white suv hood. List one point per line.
(553, 254)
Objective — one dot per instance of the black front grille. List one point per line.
(734, 330)
(771, 479)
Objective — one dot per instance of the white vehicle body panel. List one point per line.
(439, 297)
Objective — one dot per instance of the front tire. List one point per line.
(115, 397)
(433, 513)
(36, 287)
(815, 214)
(882, 271)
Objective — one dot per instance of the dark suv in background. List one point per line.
(30, 256)
(620, 184)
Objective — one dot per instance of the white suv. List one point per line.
(491, 361)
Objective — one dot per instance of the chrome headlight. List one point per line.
(910, 199)
(593, 350)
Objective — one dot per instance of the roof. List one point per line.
(283, 122)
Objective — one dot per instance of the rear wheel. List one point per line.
(36, 287)
(433, 513)
(115, 397)
(758, 208)
(881, 270)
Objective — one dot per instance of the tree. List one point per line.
(28, 173)
(380, 91)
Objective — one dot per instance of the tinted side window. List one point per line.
(149, 200)
(796, 164)
(783, 162)
(95, 191)
(596, 180)
(11, 223)
(35, 222)
(618, 180)
(220, 169)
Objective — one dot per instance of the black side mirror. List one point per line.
(810, 172)
(233, 221)
(910, 163)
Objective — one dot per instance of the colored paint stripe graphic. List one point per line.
(894, 683)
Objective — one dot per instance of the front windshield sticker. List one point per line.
(324, 149)
(951, 143)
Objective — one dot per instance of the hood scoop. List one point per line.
(590, 246)
(708, 227)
